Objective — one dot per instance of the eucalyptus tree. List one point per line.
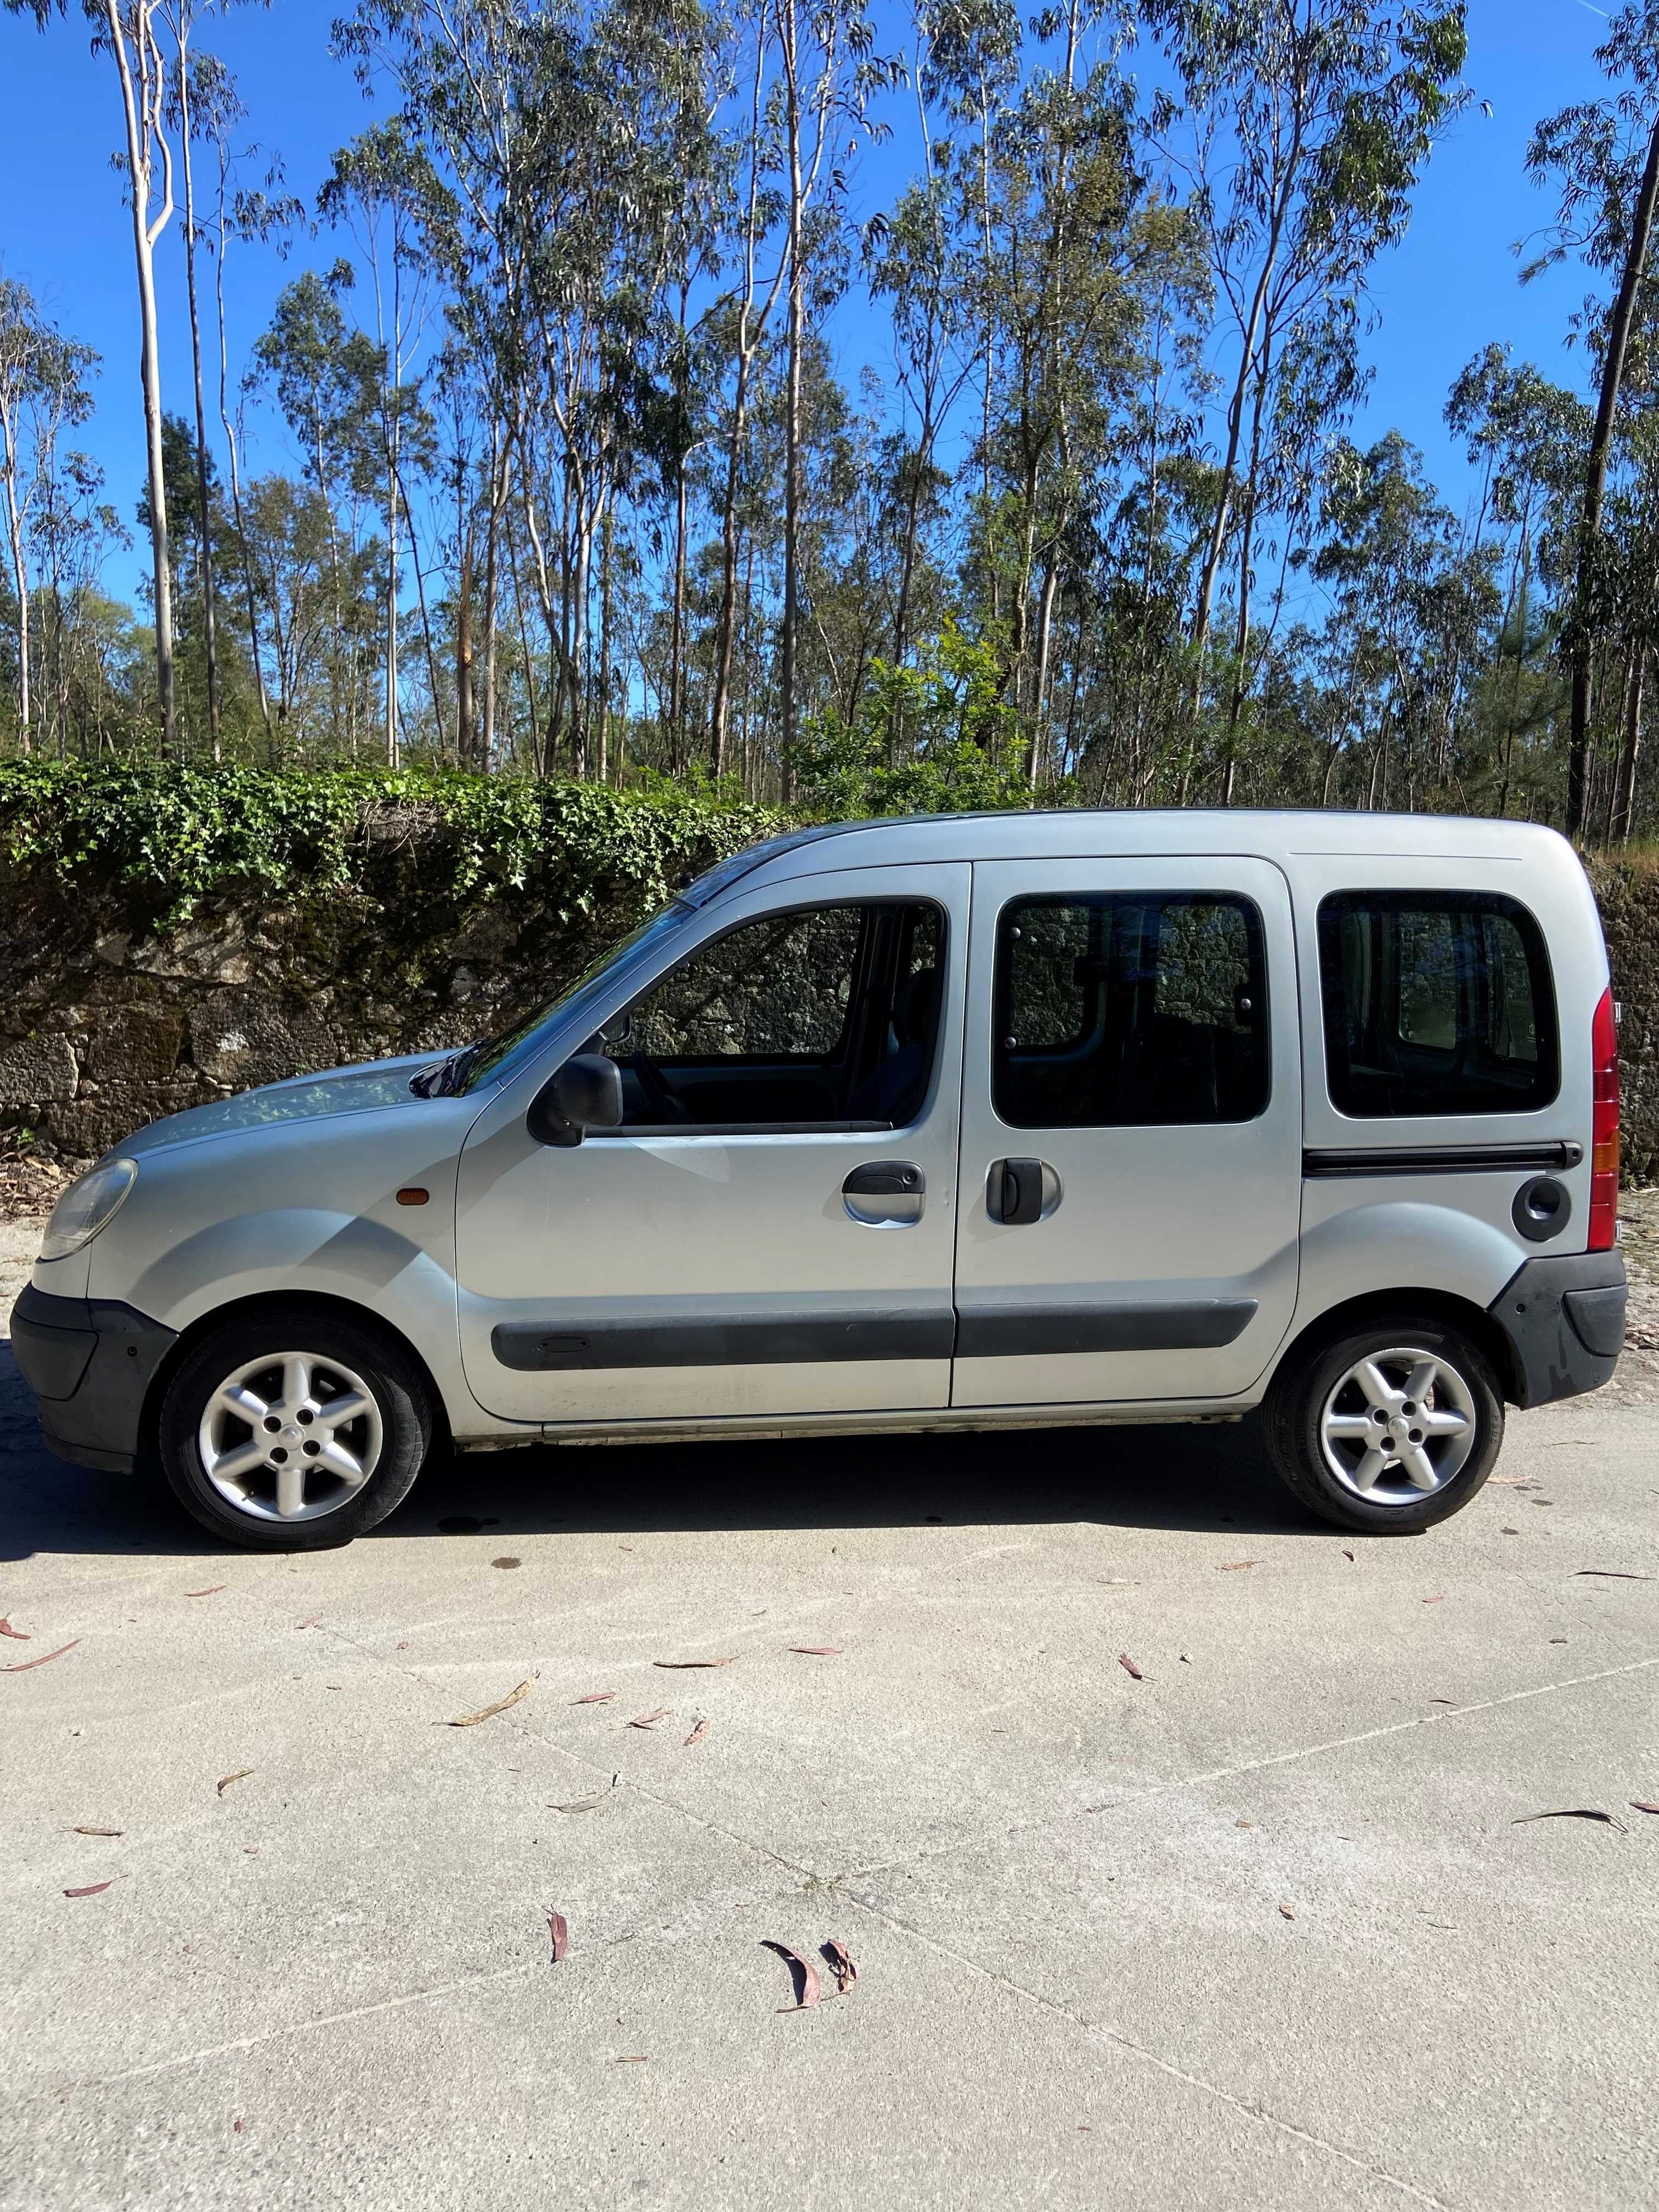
(968, 64)
(127, 30)
(43, 390)
(199, 83)
(380, 184)
(1299, 132)
(1604, 155)
(1526, 438)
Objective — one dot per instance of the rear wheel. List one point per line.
(294, 1431)
(1386, 1428)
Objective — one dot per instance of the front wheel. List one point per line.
(1387, 1428)
(291, 1430)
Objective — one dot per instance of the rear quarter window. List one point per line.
(1436, 1002)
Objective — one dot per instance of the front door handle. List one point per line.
(886, 1179)
(1014, 1191)
(884, 1194)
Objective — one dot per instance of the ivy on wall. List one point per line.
(169, 836)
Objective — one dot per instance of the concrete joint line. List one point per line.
(1115, 2037)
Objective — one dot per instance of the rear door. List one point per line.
(771, 1230)
(1132, 1130)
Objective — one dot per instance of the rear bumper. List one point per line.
(90, 1362)
(1565, 1320)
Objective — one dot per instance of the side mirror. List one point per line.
(586, 1093)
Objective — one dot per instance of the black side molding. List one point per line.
(1565, 1320)
(726, 1340)
(1016, 1332)
(1442, 1159)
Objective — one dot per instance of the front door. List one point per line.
(771, 1230)
(1132, 1131)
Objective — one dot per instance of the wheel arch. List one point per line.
(274, 1301)
(1445, 1306)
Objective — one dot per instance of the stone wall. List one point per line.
(106, 1023)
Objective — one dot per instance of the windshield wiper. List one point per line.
(450, 1075)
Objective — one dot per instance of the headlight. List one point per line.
(86, 1206)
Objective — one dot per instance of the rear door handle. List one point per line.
(1014, 1191)
(886, 1179)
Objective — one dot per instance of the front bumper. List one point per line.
(1565, 1320)
(90, 1362)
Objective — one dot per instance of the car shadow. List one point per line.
(1150, 1477)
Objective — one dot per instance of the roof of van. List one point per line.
(1072, 832)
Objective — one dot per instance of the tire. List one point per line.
(252, 1449)
(1360, 1471)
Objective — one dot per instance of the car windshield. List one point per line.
(499, 1058)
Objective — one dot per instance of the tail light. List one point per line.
(1604, 1128)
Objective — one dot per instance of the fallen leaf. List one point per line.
(1441, 1599)
(1286, 1911)
(471, 1720)
(559, 1928)
(1232, 1567)
(1573, 1812)
(91, 1889)
(595, 1697)
(94, 1831)
(818, 1650)
(212, 1590)
(1638, 1805)
(679, 1666)
(649, 1720)
(1184, 1658)
(632, 2058)
(1347, 1555)
(840, 1963)
(698, 1734)
(46, 1658)
(307, 1624)
(1443, 1701)
(806, 1988)
(240, 1775)
(236, 2127)
(507, 1562)
(1129, 1667)
(1243, 1824)
(402, 1647)
(1616, 1574)
(19, 1634)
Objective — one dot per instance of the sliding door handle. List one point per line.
(1019, 1191)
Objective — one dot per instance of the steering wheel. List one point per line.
(661, 1099)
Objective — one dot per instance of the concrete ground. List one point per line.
(1267, 1926)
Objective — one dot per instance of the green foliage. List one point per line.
(940, 737)
(169, 836)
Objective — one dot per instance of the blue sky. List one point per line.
(1450, 288)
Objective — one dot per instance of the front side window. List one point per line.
(1435, 1003)
(823, 1017)
(1117, 1008)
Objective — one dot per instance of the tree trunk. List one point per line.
(726, 627)
(792, 405)
(209, 629)
(464, 701)
(8, 426)
(1624, 794)
(236, 477)
(1596, 476)
(144, 236)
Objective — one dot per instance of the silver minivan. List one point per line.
(968, 1123)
